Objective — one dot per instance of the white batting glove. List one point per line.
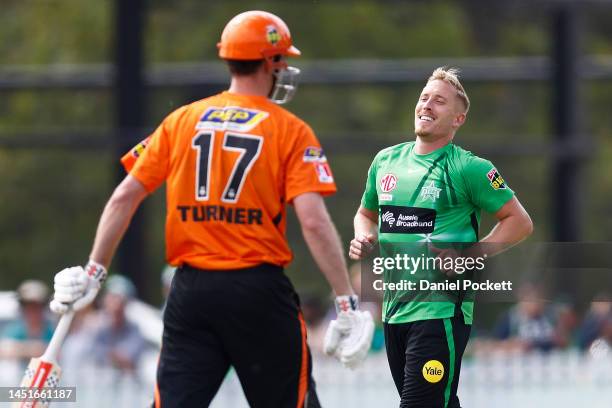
(340, 327)
(348, 338)
(354, 347)
(76, 287)
(331, 342)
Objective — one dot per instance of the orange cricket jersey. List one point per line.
(230, 162)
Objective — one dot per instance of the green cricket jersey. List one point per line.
(429, 198)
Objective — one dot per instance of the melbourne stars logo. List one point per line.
(430, 191)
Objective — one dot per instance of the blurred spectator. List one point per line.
(78, 347)
(116, 341)
(567, 321)
(314, 311)
(28, 335)
(596, 323)
(531, 325)
(606, 332)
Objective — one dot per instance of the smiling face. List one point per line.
(439, 111)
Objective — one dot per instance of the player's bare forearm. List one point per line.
(115, 219)
(510, 230)
(513, 226)
(365, 222)
(325, 246)
(323, 241)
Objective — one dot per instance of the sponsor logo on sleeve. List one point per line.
(139, 148)
(407, 220)
(324, 173)
(314, 154)
(496, 180)
(231, 118)
(388, 182)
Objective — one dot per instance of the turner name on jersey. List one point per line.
(230, 215)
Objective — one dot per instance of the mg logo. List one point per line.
(388, 217)
(388, 182)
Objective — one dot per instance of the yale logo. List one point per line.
(231, 118)
(433, 371)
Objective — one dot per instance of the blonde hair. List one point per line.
(451, 75)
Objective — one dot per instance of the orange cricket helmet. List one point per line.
(254, 35)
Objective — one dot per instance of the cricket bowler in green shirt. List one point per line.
(432, 191)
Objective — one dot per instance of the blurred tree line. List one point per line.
(51, 198)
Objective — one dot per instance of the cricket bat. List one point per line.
(44, 371)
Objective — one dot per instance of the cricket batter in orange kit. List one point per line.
(231, 162)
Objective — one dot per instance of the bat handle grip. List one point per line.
(58, 337)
